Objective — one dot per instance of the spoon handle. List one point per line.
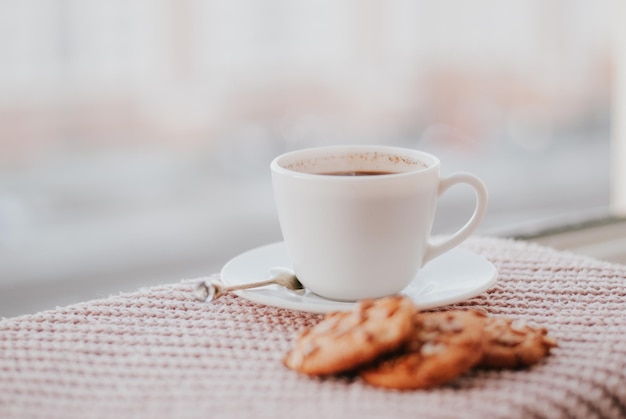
(249, 285)
(208, 292)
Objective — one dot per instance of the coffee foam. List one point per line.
(362, 161)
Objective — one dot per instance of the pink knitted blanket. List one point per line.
(157, 353)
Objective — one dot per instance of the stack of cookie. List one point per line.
(391, 344)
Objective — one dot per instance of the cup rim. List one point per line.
(417, 157)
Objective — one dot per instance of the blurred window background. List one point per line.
(135, 135)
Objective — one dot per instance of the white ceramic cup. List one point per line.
(367, 236)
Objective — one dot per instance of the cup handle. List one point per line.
(433, 250)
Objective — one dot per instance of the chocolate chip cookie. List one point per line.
(513, 344)
(343, 341)
(443, 346)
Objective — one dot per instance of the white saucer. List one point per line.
(452, 277)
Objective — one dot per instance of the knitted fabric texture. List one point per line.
(158, 353)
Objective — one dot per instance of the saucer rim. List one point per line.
(324, 305)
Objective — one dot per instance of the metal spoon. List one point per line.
(215, 289)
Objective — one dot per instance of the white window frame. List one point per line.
(618, 149)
